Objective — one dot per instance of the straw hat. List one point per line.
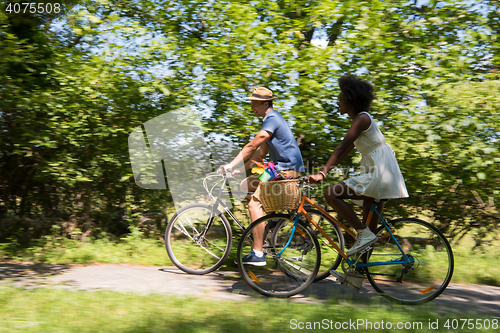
(261, 94)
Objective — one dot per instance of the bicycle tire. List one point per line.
(416, 283)
(192, 255)
(330, 258)
(302, 256)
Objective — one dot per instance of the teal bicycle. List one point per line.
(411, 263)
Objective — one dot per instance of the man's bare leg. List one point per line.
(255, 209)
(256, 212)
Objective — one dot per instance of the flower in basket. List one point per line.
(258, 170)
(270, 168)
(278, 177)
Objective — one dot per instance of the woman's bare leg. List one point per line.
(367, 204)
(335, 196)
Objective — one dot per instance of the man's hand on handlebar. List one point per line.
(225, 169)
(232, 172)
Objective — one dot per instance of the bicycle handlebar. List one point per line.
(304, 183)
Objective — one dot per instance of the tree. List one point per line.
(434, 67)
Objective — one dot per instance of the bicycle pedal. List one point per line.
(354, 283)
(353, 280)
(357, 255)
(363, 251)
(338, 275)
(349, 279)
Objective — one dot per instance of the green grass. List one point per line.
(58, 310)
(481, 266)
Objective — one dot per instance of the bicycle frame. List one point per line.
(373, 209)
(217, 201)
(391, 266)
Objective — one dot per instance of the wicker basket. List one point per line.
(279, 195)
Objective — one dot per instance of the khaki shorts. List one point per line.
(254, 181)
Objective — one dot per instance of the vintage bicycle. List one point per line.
(198, 237)
(411, 263)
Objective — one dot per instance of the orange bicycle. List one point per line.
(411, 263)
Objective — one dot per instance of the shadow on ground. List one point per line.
(460, 298)
(227, 285)
(22, 273)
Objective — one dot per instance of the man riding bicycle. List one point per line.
(276, 137)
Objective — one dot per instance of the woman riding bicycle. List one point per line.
(380, 176)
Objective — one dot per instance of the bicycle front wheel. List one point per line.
(330, 258)
(292, 257)
(428, 271)
(195, 244)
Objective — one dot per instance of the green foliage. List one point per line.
(72, 91)
(135, 248)
(66, 115)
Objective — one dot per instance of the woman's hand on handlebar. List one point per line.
(315, 178)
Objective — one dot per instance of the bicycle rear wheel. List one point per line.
(191, 251)
(330, 258)
(428, 273)
(287, 272)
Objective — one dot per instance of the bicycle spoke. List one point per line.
(190, 251)
(292, 271)
(297, 269)
(420, 278)
(330, 258)
(210, 252)
(199, 242)
(181, 228)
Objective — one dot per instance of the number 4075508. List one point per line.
(27, 7)
(472, 324)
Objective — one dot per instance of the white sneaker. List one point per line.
(353, 281)
(364, 238)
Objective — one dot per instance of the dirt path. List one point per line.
(222, 285)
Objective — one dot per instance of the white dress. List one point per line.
(380, 176)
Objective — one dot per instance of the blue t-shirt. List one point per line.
(285, 152)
